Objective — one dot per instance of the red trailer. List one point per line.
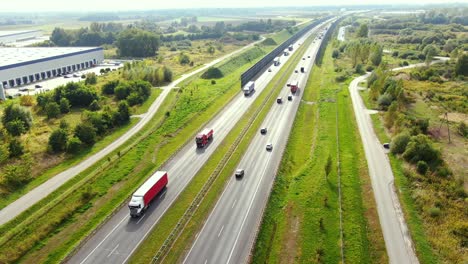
(294, 86)
(204, 137)
(146, 193)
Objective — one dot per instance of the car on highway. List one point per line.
(269, 69)
(263, 130)
(269, 147)
(66, 76)
(279, 100)
(386, 145)
(290, 97)
(76, 75)
(239, 173)
(303, 58)
(308, 57)
(38, 86)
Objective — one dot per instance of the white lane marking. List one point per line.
(112, 231)
(206, 261)
(248, 211)
(220, 231)
(113, 250)
(141, 218)
(234, 203)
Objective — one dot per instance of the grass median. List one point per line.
(162, 230)
(301, 223)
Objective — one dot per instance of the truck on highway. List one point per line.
(290, 48)
(249, 88)
(276, 61)
(204, 137)
(147, 192)
(302, 69)
(294, 86)
(286, 52)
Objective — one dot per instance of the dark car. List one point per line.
(263, 131)
(279, 100)
(269, 147)
(386, 145)
(38, 86)
(290, 97)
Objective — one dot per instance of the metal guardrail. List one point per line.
(260, 65)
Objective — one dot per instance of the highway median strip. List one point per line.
(210, 180)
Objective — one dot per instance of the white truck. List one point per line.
(249, 88)
(276, 61)
(147, 192)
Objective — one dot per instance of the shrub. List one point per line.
(462, 129)
(443, 171)
(86, 133)
(359, 69)
(64, 125)
(73, 145)
(384, 101)
(399, 143)
(15, 148)
(421, 167)
(341, 78)
(77, 94)
(134, 99)
(17, 175)
(369, 68)
(213, 82)
(122, 91)
(91, 78)
(94, 106)
(335, 53)
(52, 110)
(4, 153)
(122, 116)
(184, 59)
(109, 87)
(27, 100)
(64, 105)
(16, 119)
(434, 211)
(58, 140)
(212, 73)
(421, 148)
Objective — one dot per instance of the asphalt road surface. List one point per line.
(230, 231)
(121, 235)
(396, 235)
(40, 192)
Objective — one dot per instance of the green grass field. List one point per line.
(301, 223)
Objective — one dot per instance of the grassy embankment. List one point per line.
(301, 223)
(226, 157)
(100, 190)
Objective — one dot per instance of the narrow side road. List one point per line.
(395, 231)
(40, 192)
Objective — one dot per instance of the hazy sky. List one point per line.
(112, 5)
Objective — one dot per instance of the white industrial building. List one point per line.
(21, 66)
(17, 36)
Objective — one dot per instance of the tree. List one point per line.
(335, 53)
(78, 94)
(15, 148)
(16, 175)
(122, 91)
(391, 114)
(91, 78)
(58, 140)
(86, 133)
(376, 54)
(137, 43)
(108, 88)
(421, 167)
(60, 38)
(4, 153)
(16, 119)
(122, 116)
(27, 100)
(211, 50)
(399, 143)
(429, 51)
(52, 110)
(73, 145)
(363, 31)
(64, 105)
(64, 125)
(461, 68)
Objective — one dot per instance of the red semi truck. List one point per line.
(294, 86)
(204, 137)
(146, 193)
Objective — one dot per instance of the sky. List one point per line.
(120, 5)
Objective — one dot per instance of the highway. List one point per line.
(230, 230)
(121, 235)
(27, 200)
(396, 235)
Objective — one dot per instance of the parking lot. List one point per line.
(50, 84)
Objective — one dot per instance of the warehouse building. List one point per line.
(17, 36)
(21, 66)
